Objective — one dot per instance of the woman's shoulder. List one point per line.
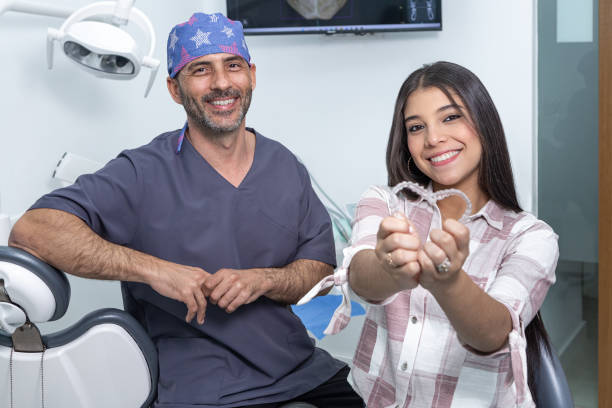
(518, 223)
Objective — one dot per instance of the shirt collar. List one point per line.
(181, 138)
(493, 214)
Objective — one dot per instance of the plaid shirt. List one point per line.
(409, 354)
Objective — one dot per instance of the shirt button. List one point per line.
(414, 319)
(404, 366)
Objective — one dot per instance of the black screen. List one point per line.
(334, 16)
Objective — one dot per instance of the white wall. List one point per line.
(329, 99)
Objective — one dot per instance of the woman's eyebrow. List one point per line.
(450, 106)
(441, 109)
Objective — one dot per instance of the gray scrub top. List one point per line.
(175, 206)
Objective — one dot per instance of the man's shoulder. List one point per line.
(275, 151)
(163, 145)
(270, 144)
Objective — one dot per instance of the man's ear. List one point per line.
(173, 88)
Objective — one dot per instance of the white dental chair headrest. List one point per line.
(39, 289)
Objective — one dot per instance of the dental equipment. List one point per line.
(99, 47)
(71, 166)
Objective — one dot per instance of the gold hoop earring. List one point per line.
(410, 171)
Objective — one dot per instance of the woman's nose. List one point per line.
(434, 136)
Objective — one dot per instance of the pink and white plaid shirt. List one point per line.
(409, 354)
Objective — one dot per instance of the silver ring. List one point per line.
(443, 267)
(390, 260)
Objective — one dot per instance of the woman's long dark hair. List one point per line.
(494, 172)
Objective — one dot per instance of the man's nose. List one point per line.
(220, 80)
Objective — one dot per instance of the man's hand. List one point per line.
(185, 284)
(231, 288)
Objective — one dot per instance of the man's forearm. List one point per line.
(66, 242)
(291, 283)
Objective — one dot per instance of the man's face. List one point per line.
(216, 91)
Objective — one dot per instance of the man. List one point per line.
(214, 213)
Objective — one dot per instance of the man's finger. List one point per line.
(221, 289)
(201, 300)
(192, 308)
(213, 280)
(238, 301)
(230, 295)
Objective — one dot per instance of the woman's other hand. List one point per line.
(442, 258)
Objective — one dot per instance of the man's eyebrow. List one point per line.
(197, 64)
(232, 58)
(441, 109)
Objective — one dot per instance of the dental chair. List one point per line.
(104, 360)
(551, 385)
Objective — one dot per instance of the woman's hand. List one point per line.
(442, 258)
(397, 249)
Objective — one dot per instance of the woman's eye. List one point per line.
(451, 117)
(414, 128)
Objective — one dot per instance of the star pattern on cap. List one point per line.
(228, 31)
(173, 39)
(200, 38)
(214, 18)
(170, 62)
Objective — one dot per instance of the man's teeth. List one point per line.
(444, 156)
(223, 102)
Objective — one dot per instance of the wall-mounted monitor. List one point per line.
(335, 16)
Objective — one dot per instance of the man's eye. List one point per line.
(234, 66)
(199, 71)
(452, 117)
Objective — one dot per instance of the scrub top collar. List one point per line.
(181, 138)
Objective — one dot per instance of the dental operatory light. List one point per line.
(93, 38)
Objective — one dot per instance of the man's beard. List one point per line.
(197, 113)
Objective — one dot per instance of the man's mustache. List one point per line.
(228, 93)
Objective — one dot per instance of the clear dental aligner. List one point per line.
(430, 196)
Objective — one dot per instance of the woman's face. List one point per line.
(442, 140)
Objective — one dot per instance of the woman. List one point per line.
(450, 299)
